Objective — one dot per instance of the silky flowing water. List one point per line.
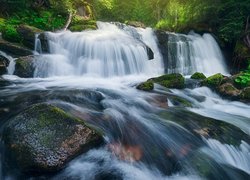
(93, 75)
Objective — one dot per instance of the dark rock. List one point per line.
(24, 67)
(146, 86)
(228, 90)
(150, 53)
(44, 138)
(28, 34)
(198, 76)
(170, 81)
(162, 37)
(44, 42)
(13, 49)
(4, 62)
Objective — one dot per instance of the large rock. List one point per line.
(44, 138)
(28, 34)
(24, 67)
(13, 49)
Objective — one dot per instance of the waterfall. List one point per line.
(38, 45)
(106, 52)
(192, 53)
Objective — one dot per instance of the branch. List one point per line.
(247, 24)
(68, 22)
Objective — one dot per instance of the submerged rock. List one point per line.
(44, 138)
(198, 76)
(146, 86)
(24, 67)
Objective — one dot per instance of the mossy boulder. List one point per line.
(28, 34)
(44, 138)
(14, 49)
(179, 101)
(146, 86)
(213, 81)
(25, 67)
(170, 81)
(198, 76)
(228, 90)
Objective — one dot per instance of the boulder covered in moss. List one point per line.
(213, 81)
(146, 86)
(28, 34)
(198, 76)
(170, 81)
(25, 67)
(44, 138)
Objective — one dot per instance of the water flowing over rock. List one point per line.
(191, 53)
(106, 52)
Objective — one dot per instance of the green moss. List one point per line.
(78, 28)
(198, 76)
(146, 86)
(10, 33)
(213, 81)
(2, 24)
(170, 81)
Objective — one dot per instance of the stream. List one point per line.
(163, 134)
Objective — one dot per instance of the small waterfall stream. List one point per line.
(187, 54)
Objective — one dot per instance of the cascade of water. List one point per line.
(11, 66)
(238, 157)
(191, 53)
(38, 45)
(106, 52)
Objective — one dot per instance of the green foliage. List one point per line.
(45, 20)
(2, 24)
(10, 33)
(243, 80)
